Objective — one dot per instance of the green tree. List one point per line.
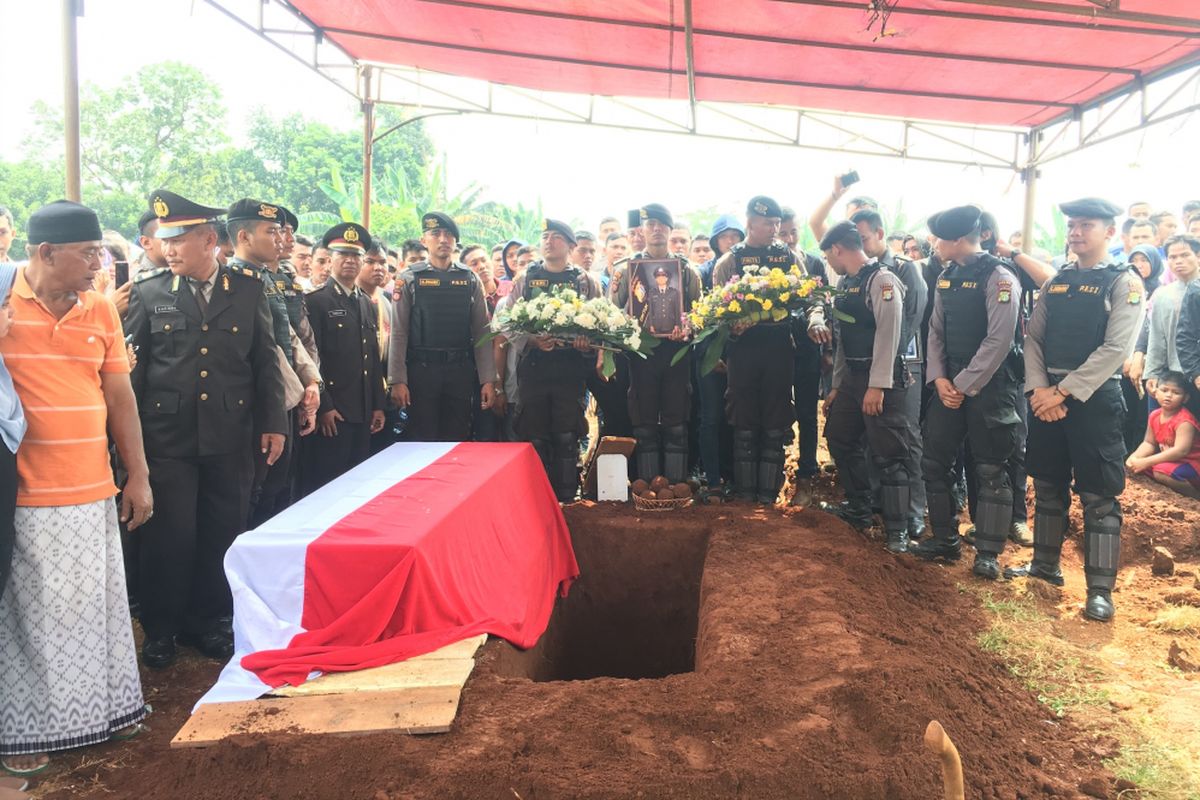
(26, 186)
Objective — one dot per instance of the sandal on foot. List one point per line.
(128, 732)
(41, 767)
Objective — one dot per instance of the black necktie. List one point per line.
(201, 301)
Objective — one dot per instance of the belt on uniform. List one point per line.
(440, 356)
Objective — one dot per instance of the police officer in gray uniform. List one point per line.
(1083, 327)
(434, 361)
(659, 391)
(552, 376)
(870, 386)
(972, 362)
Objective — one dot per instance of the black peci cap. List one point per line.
(63, 222)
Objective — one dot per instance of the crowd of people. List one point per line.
(154, 407)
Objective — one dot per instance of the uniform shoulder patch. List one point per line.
(245, 272)
(887, 291)
(1135, 297)
(147, 274)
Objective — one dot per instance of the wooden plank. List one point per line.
(609, 444)
(462, 649)
(423, 710)
(391, 677)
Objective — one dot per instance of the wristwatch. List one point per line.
(1013, 255)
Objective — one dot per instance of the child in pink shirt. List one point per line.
(1170, 453)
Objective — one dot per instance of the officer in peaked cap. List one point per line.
(211, 395)
(1072, 379)
(760, 362)
(436, 369)
(973, 362)
(345, 326)
(552, 377)
(659, 391)
(255, 231)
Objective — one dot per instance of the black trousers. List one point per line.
(272, 490)
(200, 508)
(1017, 476)
(552, 386)
(806, 390)
(659, 392)
(443, 398)
(331, 456)
(8, 510)
(760, 364)
(1088, 444)
(612, 398)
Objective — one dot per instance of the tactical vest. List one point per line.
(538, 279)
(1077, 314)
(908, 321)
(280, 319)
(441, 309)
(963, 290)
(774, 255)
(292, 291)
(857, 338)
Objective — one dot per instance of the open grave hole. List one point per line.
(633, 613)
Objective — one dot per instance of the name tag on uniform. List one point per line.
(1058, 288)
(943, 284)
(970, 285)
(540, 283)
(853, 290)
(164, 309)
(459, 282)
(429, 282)
(338, 312)
(1089, 290)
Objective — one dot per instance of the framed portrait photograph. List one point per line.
(656, 295)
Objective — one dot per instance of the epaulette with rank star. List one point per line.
(146, 274)
(246, 271)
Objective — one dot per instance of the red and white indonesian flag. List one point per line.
(420, 546)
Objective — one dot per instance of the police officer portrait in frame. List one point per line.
(211, 392)
(1083, 327)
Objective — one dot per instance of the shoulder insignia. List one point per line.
(886, 292)
(147, 274)
(246, 272)
(1004, 291)
(1135, 297)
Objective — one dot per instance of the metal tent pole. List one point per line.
(1030, 174)
(368, 108)
(70, 52)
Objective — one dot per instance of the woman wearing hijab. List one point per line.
(12, 428)
(1148, 264)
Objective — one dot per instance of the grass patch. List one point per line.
(1043, 665)
(1160, 770)
(1178, 619)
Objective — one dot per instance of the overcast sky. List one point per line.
(577, 171)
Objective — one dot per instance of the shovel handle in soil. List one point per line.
(938, 743)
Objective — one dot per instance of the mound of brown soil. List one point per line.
(707, 653)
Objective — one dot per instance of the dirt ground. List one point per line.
(739, 652)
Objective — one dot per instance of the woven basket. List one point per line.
(642, 504)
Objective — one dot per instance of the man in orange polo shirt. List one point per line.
(67, 656)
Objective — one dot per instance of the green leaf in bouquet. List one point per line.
(715, 350)
(843, 316)
(487, 337)
(608, 366)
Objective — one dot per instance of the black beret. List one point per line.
(763, 206)
(144, 220)
(436, 220)
(559, 227)
(348, 237)
(247, 209)
(656, 211)
(1090, 208)
(955, 223)
(837, 233)
(634, 218)
(63, 222)
(289, 219)
(176, 213)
